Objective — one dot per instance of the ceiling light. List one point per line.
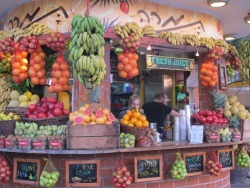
(149, 47)
(229, 37)
(197, 53)
(217, 3)
(247, 18)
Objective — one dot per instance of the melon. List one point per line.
(14, 95)
(99, 113)
(28, 94)
(111, 117)
(23, 98)
(13, 103)
(23, 104)
(35, 98)
(234, 110)
(227, 113)
(241, 115)
(78, 120)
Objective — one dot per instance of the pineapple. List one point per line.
(234, 122)
(94, 97)
(218, 99)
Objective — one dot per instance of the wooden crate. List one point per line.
(245, 129)
(92, 136)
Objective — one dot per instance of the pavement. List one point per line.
(245, 184)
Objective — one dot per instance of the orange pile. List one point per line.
(134, 118)
(19, 64)
(37, 67)
(127, 66)
(209, 74)
(60, 75)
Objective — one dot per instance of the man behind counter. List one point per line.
(157, 111)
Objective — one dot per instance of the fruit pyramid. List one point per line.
(234, 107)
(85, 115)
(134, 118)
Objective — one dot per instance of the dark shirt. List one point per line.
(156, 113)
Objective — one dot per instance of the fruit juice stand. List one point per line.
(70, 138)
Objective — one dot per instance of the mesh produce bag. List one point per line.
(213, 166)
(178, 169)
(242, 158)
(49, 175)
(5, 172)
(121, 177)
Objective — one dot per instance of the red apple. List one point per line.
(65, 112)
(32, 107)
(42, 115)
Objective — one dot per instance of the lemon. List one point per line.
(28, 94)
(22, 98)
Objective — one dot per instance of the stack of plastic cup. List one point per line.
(176, 128)
(183, 126)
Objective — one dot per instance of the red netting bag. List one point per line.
(50, 175)
(213, 166)
(178, 169)
(242, 158)
(5, 170)
(121, 177)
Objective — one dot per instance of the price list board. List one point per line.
(82, 173)
(226, 159)
(195, 163)
(26, 171)
(148, 168)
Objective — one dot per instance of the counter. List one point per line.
(110, 157)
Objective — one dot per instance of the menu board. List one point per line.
(114, 70)
(148, 168)
(82, 173)
(195, 163)
(26, 171)
(226, 159)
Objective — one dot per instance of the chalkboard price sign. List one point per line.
(226, 159)
(148, 168)
(26, 171)
(82, 173)
(195, 163)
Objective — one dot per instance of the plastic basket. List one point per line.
(47, 121)
(7, 127)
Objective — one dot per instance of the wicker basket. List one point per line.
(7, 127)
(16, 110)
(47, 121)
(133, 130)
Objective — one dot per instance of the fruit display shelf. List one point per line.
(163, 146)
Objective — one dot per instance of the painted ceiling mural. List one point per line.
(57, 14)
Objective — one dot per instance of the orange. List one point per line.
(145, 124)
(133, 120)
(126, 117)
(122, 74)
(129, 55)
(203, 71)
(125, 60)
(209, 73)
(129, 113)
(135, 56)
(120, 66)
(125, 122)
(142, 118)
(204, 83)
(211, 83)
(136, 114)
(138, 124)
(207, 79)
(120, 57)
(127, 68)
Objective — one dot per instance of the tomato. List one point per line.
(16, 65)
(54, 81)
(40, 74)
(23, 76)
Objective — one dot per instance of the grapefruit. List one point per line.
(99, 113)
(78, 120)
(111, 117)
